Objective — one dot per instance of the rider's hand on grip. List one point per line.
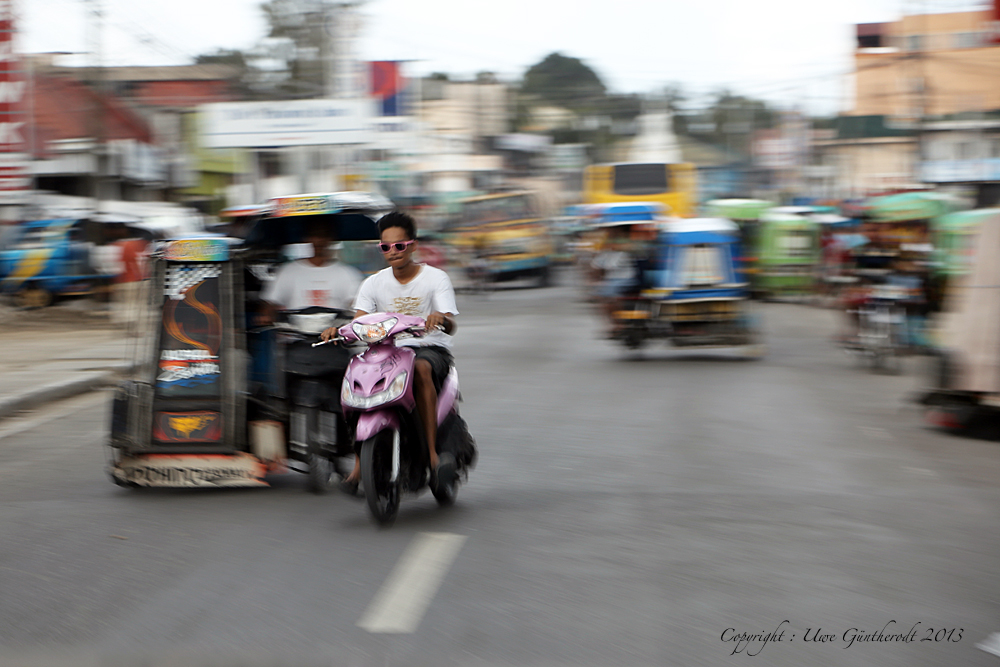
(437, 320)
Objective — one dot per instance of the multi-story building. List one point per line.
(458, 121)
(145, 118)
(927, 65)
(926, 108)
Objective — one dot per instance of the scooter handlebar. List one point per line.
(415, 331)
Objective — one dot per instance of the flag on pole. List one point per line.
(388, 87)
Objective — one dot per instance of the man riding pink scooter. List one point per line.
(420, 290)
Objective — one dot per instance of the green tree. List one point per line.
(563, 81)
(235, 59)
(306, 25)
(290, 61)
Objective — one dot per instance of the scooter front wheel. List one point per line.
(376, 470)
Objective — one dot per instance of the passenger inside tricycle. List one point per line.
(621, 271)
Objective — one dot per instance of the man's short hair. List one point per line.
(401, 220)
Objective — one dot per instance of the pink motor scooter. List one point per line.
(378, 388)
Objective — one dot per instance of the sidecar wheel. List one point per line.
(381, 494)
(322, 472)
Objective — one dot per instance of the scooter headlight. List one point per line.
(373, 333)
(394, 391)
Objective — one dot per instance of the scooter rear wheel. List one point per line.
(376, 469)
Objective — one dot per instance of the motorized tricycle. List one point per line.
(692, 293)
(216, 400)
(788, 253)
(746, 214)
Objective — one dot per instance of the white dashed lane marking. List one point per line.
(404, 597)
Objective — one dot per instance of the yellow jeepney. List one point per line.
(506, 234)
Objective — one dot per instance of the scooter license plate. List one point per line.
(887, 318)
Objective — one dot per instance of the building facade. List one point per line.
(926, 108)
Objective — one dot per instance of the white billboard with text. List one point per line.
(321, 122)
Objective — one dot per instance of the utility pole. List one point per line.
(922, 92)
(98, 128)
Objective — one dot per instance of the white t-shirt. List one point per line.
(300, 284)
(617, 265)
(429, 291)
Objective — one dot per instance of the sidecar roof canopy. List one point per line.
(625, 213)
(693, 231)
(326, 204)
(242, 211)
(351, 216)
(785, 218)
(737, 209)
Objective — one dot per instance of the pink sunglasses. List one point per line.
(398, 247)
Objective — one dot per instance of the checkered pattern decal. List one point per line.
(182, 277)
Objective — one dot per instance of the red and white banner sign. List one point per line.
(14, 156)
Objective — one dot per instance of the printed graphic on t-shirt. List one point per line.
(407, 305)
(318, 297)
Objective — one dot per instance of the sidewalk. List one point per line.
(56, 360)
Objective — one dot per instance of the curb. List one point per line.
(55, 391)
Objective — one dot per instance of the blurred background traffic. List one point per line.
(175, 149)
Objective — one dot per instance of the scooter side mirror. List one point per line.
(347, 333)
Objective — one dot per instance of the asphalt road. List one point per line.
(627, 509)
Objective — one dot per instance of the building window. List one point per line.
(995, 148)
(269, 164)
(914, 42)
(966, 40)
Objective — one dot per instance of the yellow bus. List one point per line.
(673, 185)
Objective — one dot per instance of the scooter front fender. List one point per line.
(370, 423)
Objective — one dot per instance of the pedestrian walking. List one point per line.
(132, 252)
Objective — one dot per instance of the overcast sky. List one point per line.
(790, 52)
